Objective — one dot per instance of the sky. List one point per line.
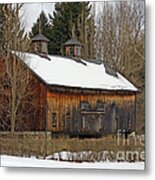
(31, 12)
(32, 8)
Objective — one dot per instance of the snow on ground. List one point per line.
(13, 161)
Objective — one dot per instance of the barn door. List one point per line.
(92, 119)
(92, 122)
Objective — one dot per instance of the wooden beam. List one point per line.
(92, 112)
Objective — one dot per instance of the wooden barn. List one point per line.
(78, 97)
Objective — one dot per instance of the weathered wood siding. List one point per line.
(118, 113)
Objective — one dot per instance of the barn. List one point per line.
(78, 97)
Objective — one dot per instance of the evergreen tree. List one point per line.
(59, 28)
(65, 17)
(43, 26)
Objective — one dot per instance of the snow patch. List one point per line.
(13, 161)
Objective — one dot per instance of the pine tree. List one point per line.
(43, 26)
(65, 17)
(59, 28)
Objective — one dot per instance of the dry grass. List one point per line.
(38, 145)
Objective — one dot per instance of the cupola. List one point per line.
(40, 44)
(73, 48)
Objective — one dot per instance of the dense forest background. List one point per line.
(116, 36)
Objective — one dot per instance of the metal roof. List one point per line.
(40, 37)
(73, 41)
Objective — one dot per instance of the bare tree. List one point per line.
(120, 39)
(122, 32)
(16, 91)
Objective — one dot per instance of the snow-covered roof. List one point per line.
(71, 73)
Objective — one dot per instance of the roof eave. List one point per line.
(83, 89)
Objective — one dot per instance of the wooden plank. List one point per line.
(92, 112)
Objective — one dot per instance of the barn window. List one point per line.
(83, 122)
(44, 47)
(77, 51)
(71, 51)
(85, 106)
(54, 119)
(100, 106)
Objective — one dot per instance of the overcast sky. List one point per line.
(31, 12)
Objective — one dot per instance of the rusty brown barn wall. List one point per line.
(66, 104)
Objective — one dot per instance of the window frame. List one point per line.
(71, 49)
(54, 119)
